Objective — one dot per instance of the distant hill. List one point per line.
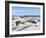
(27, 16)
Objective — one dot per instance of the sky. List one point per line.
(20, 11)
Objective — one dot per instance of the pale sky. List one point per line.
(20, 11)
